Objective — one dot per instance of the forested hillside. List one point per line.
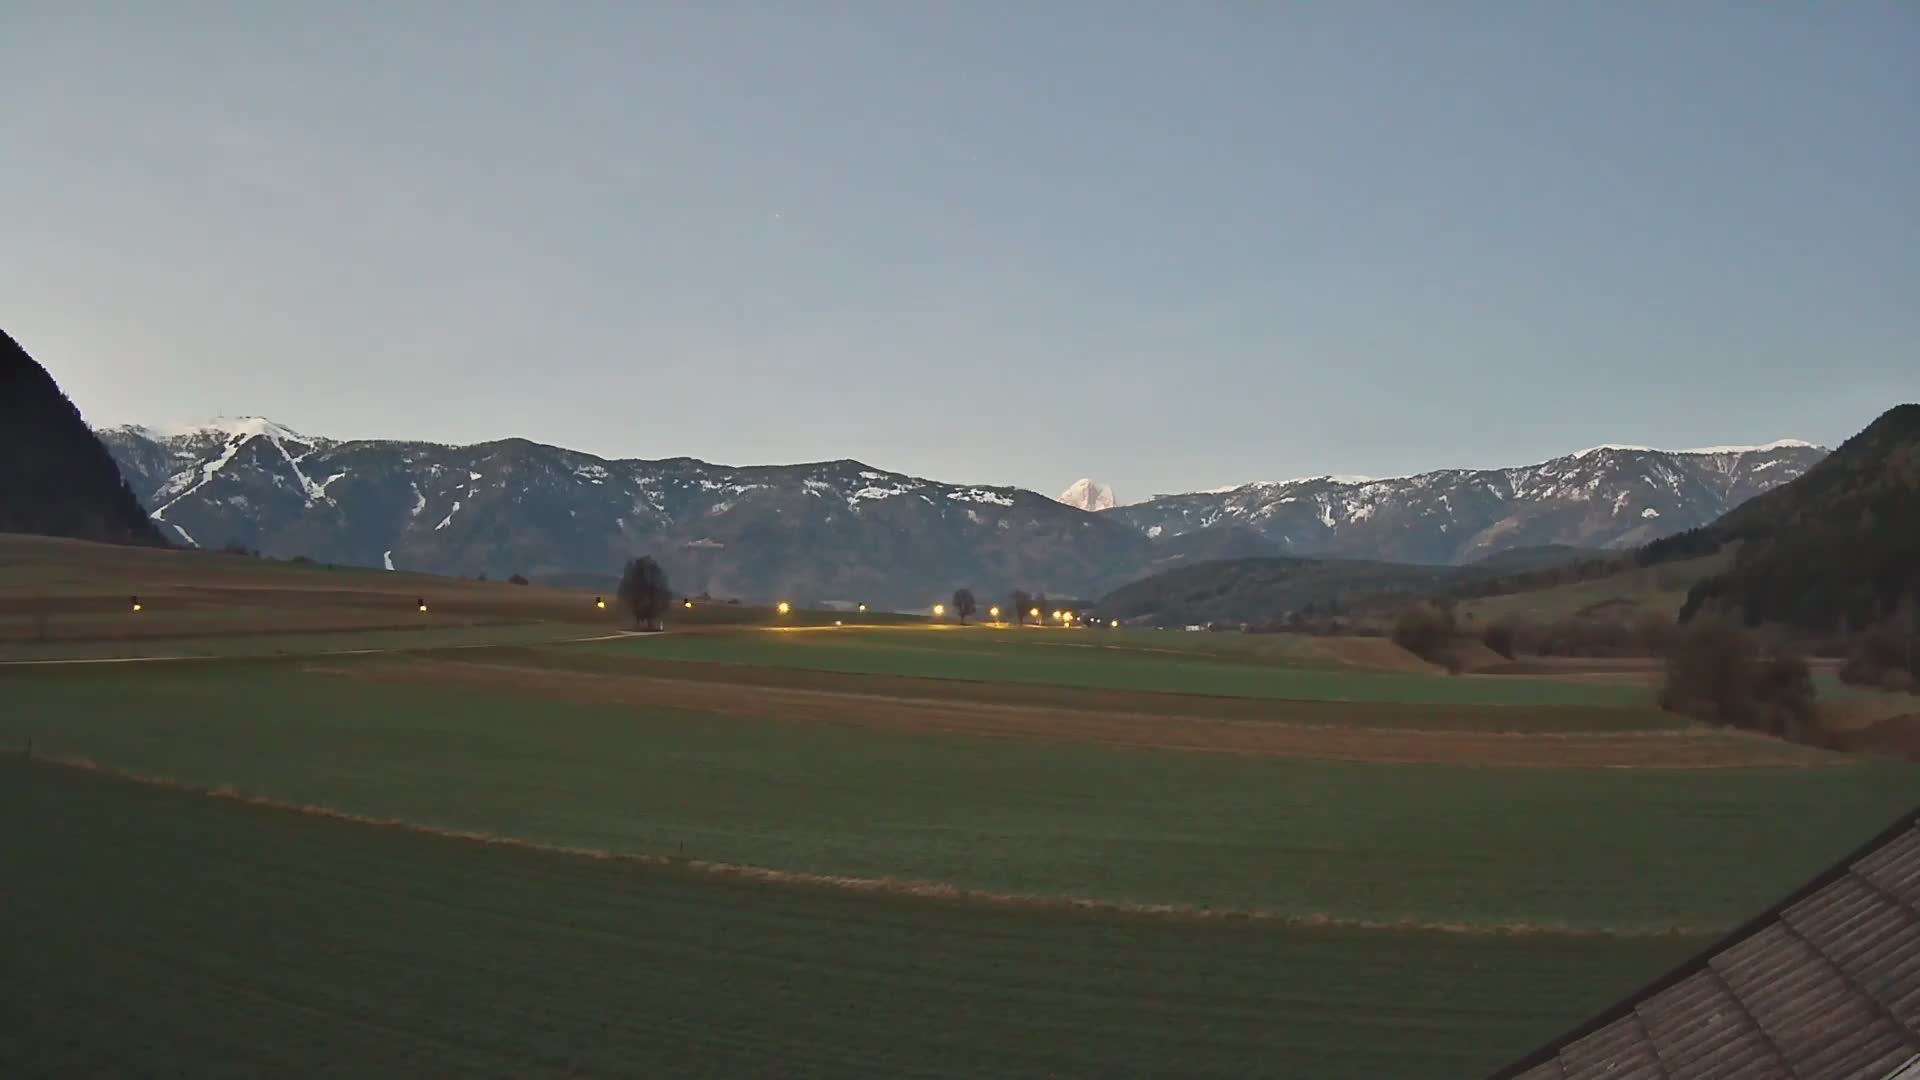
(1840, 544)
(55, 477)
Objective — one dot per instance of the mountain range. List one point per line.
(1603, 497)
(846, 531)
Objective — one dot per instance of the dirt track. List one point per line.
(1279, 737)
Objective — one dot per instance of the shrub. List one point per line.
(644, 593)
(1883, 656)
(1499, 637)
(1587, 637)
(517, 579)
(1427, 630)
(1716, 674)
(1653, 633)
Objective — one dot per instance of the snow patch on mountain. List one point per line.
(182, 484)
(876, 492)
(243, 427)
(448, 520)
(1340, 479)
(1777, 444)
(980, 495)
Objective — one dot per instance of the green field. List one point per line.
(905, 851)
(160, 932)
(293, 644)
(1659, 589)
(1130, 662)
(1596, 848)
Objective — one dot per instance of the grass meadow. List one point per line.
(159, 931)
(340, 837)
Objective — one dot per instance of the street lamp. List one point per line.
(784, 607)
(993, 613)
(939, 610)
(600, 602)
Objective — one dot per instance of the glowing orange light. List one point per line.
(784, 607)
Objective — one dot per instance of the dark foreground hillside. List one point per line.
(55, 477)
(1839, 545)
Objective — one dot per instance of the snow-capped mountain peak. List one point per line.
(1777, 444)
(1086, 494)
(228, 427)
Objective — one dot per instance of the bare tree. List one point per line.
(644, 595)
(963, 604)
(1021, 602)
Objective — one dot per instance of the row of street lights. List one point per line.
(1064, 618)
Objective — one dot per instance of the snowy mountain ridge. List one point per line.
(1604, 496)
(842, 529)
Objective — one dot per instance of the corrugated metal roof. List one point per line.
(1825, 985)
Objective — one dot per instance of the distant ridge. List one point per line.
(56, 479)
(1601, 497)
(848, 531)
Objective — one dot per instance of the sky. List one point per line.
(1169, 246)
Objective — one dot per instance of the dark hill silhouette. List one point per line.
(56, 479)
(1841, 543)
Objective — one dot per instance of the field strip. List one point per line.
(1684, 748)
(328, 652)
(925, 890)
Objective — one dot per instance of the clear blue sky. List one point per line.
(1167, 245)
